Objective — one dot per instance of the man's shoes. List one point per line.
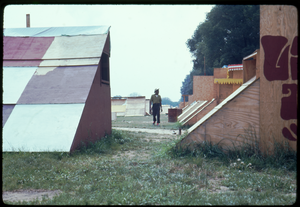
(153, 123)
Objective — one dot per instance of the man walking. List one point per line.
(156, 100)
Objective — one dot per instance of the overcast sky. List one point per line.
(148, 42)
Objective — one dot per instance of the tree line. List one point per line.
(229, 33)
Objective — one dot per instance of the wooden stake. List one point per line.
(27, 20)
(204, 66)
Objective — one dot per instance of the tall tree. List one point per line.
(168, 101)
(134, 94)
(187, 84)
(229, 33)
(185, 88)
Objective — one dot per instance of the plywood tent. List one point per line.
(235, 113)
(136, 106)
(219, 86)
(132, 106)
(263, 111)
(118, 106)
(164, 108)
(212, 89)
(56, 91)
(227, 120)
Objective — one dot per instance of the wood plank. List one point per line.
(191, 114)
(258, 64)
(225, 90)
(189, 111)
(194, 137)
(233, 122)
(229, 125)
(278, 33)
(202, 113)
(224, 138)
(249, 69)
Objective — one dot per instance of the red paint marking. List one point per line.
(25, 51)
(287, 134)
(273, 45)
(289, 104)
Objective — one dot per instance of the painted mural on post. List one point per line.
(280, 64)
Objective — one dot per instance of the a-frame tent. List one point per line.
(56, 90)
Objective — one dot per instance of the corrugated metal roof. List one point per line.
(41, 127)
(220, 105)
(55, 31)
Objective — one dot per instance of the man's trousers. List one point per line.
(156, 108)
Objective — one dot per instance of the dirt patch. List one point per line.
(216, 187)
(159, 138)
(163, 136)
(28, 195)
(153, 140)
(160, 135)
(152, 131)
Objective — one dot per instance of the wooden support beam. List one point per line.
(278, 75)
(27, 20)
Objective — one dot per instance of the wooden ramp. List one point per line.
(190, 108)
(198, 112)
(227, 123)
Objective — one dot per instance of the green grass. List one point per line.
(96, 175)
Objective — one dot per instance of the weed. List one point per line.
(283, 155)
(105, 144)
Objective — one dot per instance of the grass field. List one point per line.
(130, 168)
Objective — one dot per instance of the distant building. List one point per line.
(133, 106)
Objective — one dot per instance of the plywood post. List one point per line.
(27, 20)
(184, 96)
(249, 69)
(278, 75)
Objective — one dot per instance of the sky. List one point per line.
(148, 42)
